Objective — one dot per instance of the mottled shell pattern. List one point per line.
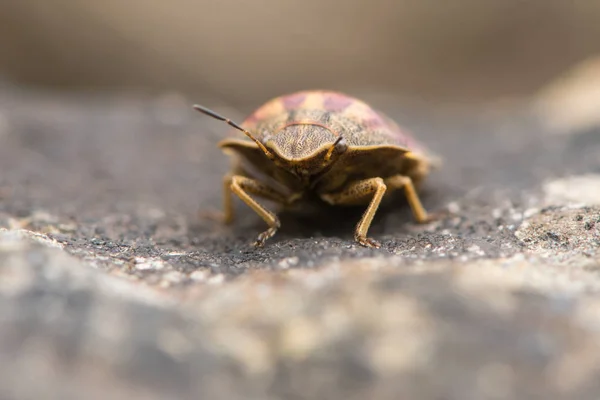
(299, 128)
(360, 124)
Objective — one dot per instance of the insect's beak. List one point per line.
(301, 174)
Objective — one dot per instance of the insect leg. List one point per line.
(241, 186)
(353, 194)
(404, 182)
(228, 212)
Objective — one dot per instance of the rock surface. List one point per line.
(113, 286)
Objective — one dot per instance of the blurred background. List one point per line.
(245, 52)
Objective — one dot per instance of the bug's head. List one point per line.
(305, 149)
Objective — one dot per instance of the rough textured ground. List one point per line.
(113, 286)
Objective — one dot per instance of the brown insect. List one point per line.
(326, 144)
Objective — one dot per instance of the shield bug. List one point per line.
(326, 145)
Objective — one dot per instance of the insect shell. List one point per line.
(326, 144)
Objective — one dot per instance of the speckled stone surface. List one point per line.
(112, 284)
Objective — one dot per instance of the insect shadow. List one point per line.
(323, 220)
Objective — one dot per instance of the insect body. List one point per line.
(326, 144)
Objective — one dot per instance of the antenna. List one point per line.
(213, 114)
(339, 142)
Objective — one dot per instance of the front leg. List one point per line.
(355, 193)
(241, 186)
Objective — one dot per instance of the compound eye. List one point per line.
(340, 145)
(266, 138)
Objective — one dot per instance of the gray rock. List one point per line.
(112, 286)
